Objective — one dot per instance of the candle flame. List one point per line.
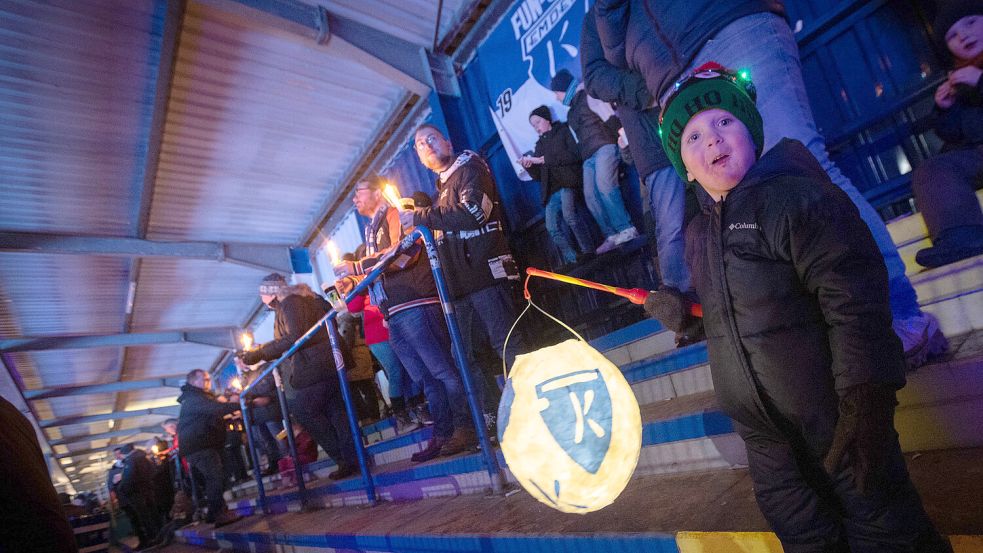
(333, 252)
(236, 385)
(392, 196)
(155, 449)
(247, 340)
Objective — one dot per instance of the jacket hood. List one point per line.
(788, 157)
(187, 390)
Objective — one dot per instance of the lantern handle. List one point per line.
(530, 303)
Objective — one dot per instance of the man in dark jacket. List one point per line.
(136, 489)
(201, 431)
(780, 256)
(313, 374)
(266, 417)
(407, 296)
(468, 219)
(556, 164)
(598, 143)
(662, 40)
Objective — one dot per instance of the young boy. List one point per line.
(795, 307)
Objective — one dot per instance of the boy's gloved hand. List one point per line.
(863, 433)
(670, 307)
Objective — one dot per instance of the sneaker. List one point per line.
(626, 235)
(463, 439)
(606, 246)
(226, 518)
(404, 424)
(922, 339)
(432, 450)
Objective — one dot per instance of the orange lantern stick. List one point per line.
(634, 295)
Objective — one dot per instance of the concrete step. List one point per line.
(678, 435)
(954, 294)
(910, 235)
(711, 512)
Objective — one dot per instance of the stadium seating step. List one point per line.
(709, 511)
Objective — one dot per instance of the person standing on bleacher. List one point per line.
(201, 430)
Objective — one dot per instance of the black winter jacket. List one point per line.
(200, 425)
(795, 298)
(313, 362)
(562, 166)
(408, 282)
(658, 39)
(138, 477)
(592, 132)
(472, 244)
(626, 91)
(961, 126)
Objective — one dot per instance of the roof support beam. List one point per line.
(107, 388)
(220, 337)
(104, 435)
(265, 257)
(394, 58)
(167, 411)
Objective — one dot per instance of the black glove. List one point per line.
(670, 307)
(250, 357)
(863, 434)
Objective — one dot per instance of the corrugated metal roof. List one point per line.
(261, 131)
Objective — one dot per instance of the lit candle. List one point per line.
(236, 385)
(247, 340)
(333, 252)
(392, 196)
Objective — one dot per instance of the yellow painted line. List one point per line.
(767, 542)
(966, 544)
(728, 542)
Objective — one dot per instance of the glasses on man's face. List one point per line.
(430, 140)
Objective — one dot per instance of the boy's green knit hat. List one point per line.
(709, 86)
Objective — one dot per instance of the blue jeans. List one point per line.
(667, 200)
(488, 314)
(564, 201)
(772, 58)
(420, 339)
(395, 371)
(602, 191)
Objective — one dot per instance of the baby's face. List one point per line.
(965, 37)
(717, 150)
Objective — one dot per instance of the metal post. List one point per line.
(291, 442)
(491, 461)
(346, 395)
(257, 474)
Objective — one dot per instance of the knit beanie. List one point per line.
(709, 86)
(272, 284)
(950, 11)
(565, 82)
(543, 112)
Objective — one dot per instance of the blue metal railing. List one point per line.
(490, 460)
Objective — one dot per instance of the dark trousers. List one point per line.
(365, 398)
(264, 433)
(208, 464)
(320, 409)
(945, 190)
(812, 512)
(147, 519)
(486, 316)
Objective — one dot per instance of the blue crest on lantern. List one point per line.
(577, 412)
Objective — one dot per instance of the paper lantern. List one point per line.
(569, 427)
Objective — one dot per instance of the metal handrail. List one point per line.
(327, 321)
